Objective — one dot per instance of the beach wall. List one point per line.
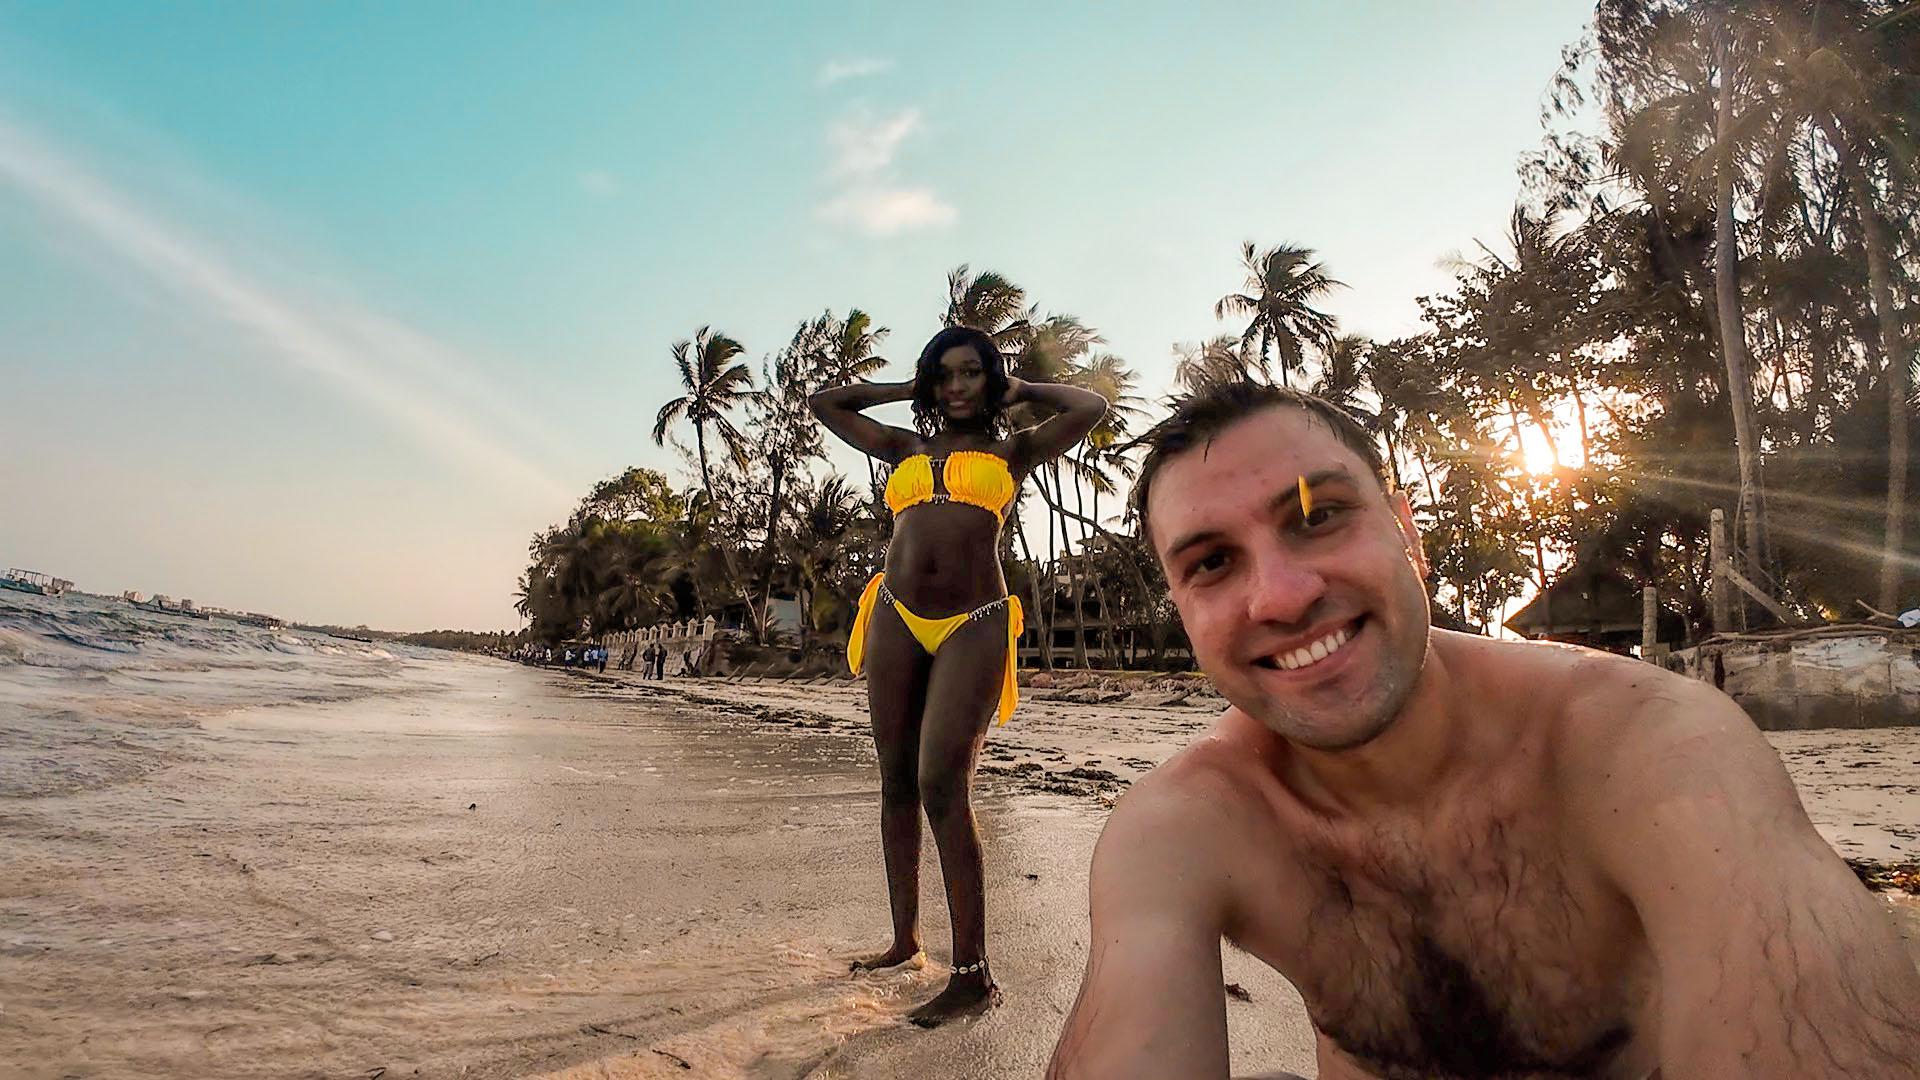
(1841, 677)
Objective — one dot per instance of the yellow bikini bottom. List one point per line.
(933, 633)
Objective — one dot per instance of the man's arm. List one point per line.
(1151, 1003)
(1773, 959)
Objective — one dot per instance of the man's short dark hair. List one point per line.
(1198, 419)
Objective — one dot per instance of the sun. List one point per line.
(1536, 453)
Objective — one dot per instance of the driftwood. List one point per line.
(1794, 633)
(1876, 612)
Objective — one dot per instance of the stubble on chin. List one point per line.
(1336, 727)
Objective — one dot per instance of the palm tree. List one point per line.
(1688, 114)
(846, 348)
(843, 351)
(714, 388)
(1214, 363)
(1042, 350)
(1832, 76)
(1402, 377)
(1726, 286)
(826, 531)
(1344, 373)
(1107, 375)
(991, 304)
(1282, 285)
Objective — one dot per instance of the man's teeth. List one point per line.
(1315, 652)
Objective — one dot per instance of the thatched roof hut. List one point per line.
(1595, 603)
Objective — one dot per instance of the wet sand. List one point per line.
(1861, 787)
(643, 880)
(517, 872)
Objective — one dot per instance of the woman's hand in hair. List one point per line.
(1016, 391)
(839, 411)
(1075, 413)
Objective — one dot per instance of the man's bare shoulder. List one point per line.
(1618, 710)
(1215, 774)
(1207, 788)
(1625, 737)
(1593, 704)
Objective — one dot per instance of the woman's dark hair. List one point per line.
(926, 379)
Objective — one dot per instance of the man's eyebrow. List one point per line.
(1192, 540)
(1310, 480)
(1288, 496)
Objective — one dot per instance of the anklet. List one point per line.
(968, 969)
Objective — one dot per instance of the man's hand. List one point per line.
(1150, 1004)
(1772, 959)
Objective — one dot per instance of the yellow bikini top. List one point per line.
(974, 477)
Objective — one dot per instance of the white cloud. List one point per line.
(864, 144)
(841, 70)
(869, 197)
(599, 182)
(884, 211)
(385, 366)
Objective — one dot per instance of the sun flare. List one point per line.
(1536, 453)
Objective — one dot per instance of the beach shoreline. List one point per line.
(486, 870)
(1091, 736)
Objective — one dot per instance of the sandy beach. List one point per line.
(486, 870)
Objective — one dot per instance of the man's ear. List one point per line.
(1409, 532)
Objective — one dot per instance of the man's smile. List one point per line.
(1313, 653)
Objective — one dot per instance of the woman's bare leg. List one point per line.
(897, 670)
(962, 693)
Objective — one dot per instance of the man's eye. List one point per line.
(1207, 564)
(1322, 515)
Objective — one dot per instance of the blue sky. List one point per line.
(325, 309)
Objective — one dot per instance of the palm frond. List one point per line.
(671, 411)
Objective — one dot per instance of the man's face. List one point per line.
(1315, 625)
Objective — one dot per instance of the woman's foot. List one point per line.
(899, 955)
(965, 995)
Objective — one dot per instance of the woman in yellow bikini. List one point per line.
(936, 629)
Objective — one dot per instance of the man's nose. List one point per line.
(1283, 589)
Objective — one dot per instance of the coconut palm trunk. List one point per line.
(706, 477)
(769, 555)
(1873, 235)
(1107, 651)
(1074, 575)
(1042, 632)
(1733, 337)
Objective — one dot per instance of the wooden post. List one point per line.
(1720, 592)
(1649, 620)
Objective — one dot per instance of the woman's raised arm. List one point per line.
(839, 409)
(1077, 412)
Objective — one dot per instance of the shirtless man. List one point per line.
(1473, 858)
